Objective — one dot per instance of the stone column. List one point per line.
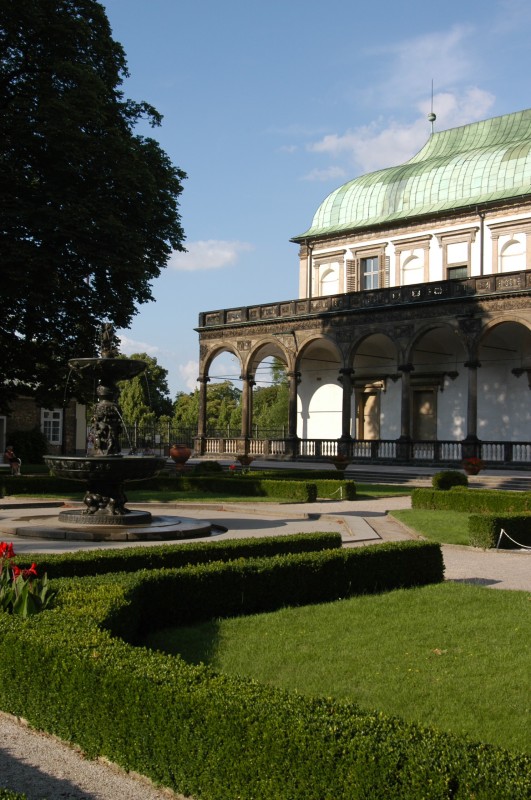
(294, 379)
(403, 445)
(472, 401)
(247, 405)
(199, 446)
(405, 410)
(345, 379)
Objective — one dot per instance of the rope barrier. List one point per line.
(504, 533)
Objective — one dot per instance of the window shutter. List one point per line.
(353, 275)
(383, 272)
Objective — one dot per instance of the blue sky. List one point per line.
(268, 107)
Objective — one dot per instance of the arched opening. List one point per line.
(319, 392)
(438, 386)
(512, 256)
(376, 392)
(412, 271)
(269, 404)
(329, 283)
(504, 411)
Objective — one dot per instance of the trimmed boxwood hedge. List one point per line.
(295, 491)
(473, 500)
(484, 530)
(215, 736)
(132, 559)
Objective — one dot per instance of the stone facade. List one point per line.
(414, 322)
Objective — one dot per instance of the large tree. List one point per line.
(88, 208)
(223, 400)
(145, 397)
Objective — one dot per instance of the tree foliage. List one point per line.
(145, 397)
(88, 208)
(223, 400)
(224, 411)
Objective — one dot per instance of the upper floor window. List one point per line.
(512, 256)
(330, 281)
(52, 425)
(457, 272)
(369, 272)
(368, 269)
(412, 271)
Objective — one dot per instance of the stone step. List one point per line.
(412, 478)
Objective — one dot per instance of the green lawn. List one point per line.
(450, 655)
(445, 527)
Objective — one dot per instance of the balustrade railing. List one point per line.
(385, 451)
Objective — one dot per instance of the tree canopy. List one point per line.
(89, 209)
(145, 397)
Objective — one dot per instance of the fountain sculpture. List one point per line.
(104, 473)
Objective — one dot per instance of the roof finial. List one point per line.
(431, 116)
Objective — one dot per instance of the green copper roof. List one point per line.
(473, 164)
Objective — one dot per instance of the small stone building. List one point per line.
(64, 428)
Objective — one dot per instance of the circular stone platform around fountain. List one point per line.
(99, 518)
(160, 528)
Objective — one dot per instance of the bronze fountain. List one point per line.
(104, 473)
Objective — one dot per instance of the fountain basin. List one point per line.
(97, 468)
(104, 477)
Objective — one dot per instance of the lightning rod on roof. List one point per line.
(431, 116)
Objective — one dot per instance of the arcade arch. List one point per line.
(438, 385)
(376, 392)
(319, 402)
(504, 380)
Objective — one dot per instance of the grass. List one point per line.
(445, 527)
(450, 655)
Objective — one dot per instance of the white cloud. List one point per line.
(447, 57)
(189, 373)
(209, 254)
(327, 174)
(129, 346)
(384, 143)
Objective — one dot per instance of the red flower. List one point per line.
(31, 572)
(16, 571)
(6, 550)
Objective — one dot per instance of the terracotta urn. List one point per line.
(472, 466)
(340, 462)
(180, 453)
(472, 470)
(245, 460)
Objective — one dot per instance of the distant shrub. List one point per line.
(448, 478)
(207, 468)
(30, 446)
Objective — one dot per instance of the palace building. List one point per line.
(410, 341)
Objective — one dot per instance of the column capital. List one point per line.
(406, 368)
(473, 364)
